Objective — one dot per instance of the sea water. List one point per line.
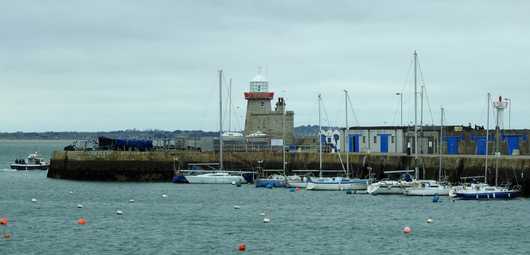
(202, 219)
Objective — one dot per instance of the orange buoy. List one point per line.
(81, 221)
(242, 247)
(3, 221)
(407, 230)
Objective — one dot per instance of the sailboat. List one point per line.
(221, 176)
(399, 187)
(431, 187)
(391, 187)
(478, 191)
(276, 180)
(333, 183)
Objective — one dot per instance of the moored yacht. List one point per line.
(478, 191)
(221, 177)
(431, 187)
(337, 183)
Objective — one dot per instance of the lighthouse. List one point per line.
(260, 119)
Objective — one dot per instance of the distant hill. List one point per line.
(300, 131)
(308, 130)
(125, 134)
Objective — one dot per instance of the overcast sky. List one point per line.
(107, 65)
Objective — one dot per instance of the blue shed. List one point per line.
(383, 138)
(480, 144)
(513, 142)
(353, 143)
(452, 143)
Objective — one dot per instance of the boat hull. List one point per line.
(229, 179)
(395, 190)
(272, 183)
(29, 167)
(487, 195)
(179, 179)
(301, 185)
(348, 184)
(328, 186)
(426, 192)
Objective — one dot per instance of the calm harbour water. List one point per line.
(201, 219)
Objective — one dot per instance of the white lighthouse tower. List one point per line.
(500, 105)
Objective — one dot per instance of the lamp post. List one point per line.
(401, 106)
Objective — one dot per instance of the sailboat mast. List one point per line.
(319, 136)
(440, 143)
(416, 116)
(487, 138)
(346, 137)
(230, 106)
(221, 119)
(421, 118)
(497, 143)
(283, 138)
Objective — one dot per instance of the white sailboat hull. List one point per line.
(427, 188)
(328, 186)
(207, 179)
(298, 184)
(426, 192)
(387, 188)
(337, 184)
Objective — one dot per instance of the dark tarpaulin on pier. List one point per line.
(107, 143)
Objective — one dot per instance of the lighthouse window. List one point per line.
(375, 139)
(262, 104)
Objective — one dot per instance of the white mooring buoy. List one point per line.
(164, 195)
(33, 200)
(237, 206)
(429, 220)
(79, 206)
(119, 212)
(131, 200)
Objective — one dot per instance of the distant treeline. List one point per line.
(300, 131)
(124, 134)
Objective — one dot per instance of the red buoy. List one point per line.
(298, 189)
(407, 230)
(81, 221)
(242, 247)
(3, 221)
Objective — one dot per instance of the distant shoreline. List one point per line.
(301, 131)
